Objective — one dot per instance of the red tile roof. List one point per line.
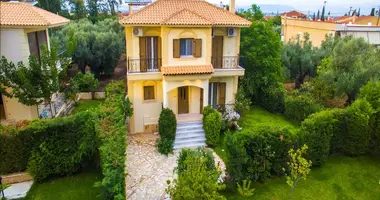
(187, 70)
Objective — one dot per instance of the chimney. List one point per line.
(232, 6)
(130, 9)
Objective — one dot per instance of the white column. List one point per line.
(205, 92)
(165, 94)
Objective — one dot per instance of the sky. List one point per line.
(335, 6)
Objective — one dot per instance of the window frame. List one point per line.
(153, 93)
(188, 41)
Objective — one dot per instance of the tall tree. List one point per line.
(53, 6)
(113, 5)
(354, 13)
(353, 63)
(358, 13)
(261, 49)
(314, 16)
(93, 9)
(372, 12)
(318, 16)
(323, 13)
(79, 9)
(33, 84)
(300, 58)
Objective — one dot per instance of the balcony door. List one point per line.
(217, 51)
(150, 54)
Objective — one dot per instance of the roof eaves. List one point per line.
(137, 12)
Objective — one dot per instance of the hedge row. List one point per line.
(112, 133)
(259, 154)
(300, 107)
(48, 148)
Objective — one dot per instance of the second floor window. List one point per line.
(36, 40)
(186, 46)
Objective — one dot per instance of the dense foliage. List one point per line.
(98, 45)
(167, 126)
(258, 154)
(196, 181)
(111, 131)
(261, 48)
(242, 103)
(212, 123)
(298, 107)
(35, 83)
(200, 152)
(84, 82)
(353, 63)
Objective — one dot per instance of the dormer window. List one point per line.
(186, 46)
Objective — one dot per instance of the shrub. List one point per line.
(242, 103)
(212, 124)
(357, 128)
(200, 152)
(207, 110)
(13, 157)
(273, 99)
(196, 181)
(67, 143)
(167, 126)
(316, 133)
(165, 146)
(84, 82)
(299, 107)
(258, 154)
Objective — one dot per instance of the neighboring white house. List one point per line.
(24, 28)
(370, 33)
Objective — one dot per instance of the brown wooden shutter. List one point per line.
(143, 59)
(159, 47)
(197, 48)
(222, 93)
(176, 48)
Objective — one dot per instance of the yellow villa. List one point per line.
(24, 28)
(182, 55)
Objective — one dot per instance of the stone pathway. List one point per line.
(147, 169)
(17, 190)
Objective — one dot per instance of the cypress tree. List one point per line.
(372, 12)
(323, 14)
(318, 15)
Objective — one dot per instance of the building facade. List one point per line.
(181, 55)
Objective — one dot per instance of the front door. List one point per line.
(183, 100)
(217, 52)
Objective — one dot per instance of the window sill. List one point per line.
(149, 101)
(187, 58)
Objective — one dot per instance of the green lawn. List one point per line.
(84, 105)
(341, 178)
(255, 117)
(77, 187)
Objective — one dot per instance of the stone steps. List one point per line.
(190, 135)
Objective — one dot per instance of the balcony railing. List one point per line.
(141, 65)
(225, 62)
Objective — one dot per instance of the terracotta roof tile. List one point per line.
(23, 14)
(184, 12)
(183, 70)
(293, 14)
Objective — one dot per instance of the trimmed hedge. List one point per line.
(200, 152)
(300, 107)
(112, 133)
(273, 98)
(212, 123)
(13, 155)
(167, 127)
(316, 133)
(259, 154)
(66, 145)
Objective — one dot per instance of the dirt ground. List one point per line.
(119, 73)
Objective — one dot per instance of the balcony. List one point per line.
(143, 65)
(225, 62)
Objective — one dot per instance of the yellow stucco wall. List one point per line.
(292, 28)
(369, 19)
(15, 47)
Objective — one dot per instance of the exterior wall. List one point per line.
(318, 30)
(368, 19)
(146, 112)
(231, 45)
(132, 42)
(371, 36)
(15, 47)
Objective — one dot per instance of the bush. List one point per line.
(357, 128)
(13, 157)
(84, 82)
(196, 181)
(167, 126)
(207, 110)
(200, 152)
(165, 146)
(111, 131)
(316, 133)
(242, 103)
(299, 107)
(259, 154)
(273, 99)
(67, 143)
(212, 124)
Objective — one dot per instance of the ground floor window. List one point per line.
(216, 94)
(148, 92)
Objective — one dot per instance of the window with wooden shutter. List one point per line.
(176, 48)
(197, 52)
(142, 46)
(148, 92)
